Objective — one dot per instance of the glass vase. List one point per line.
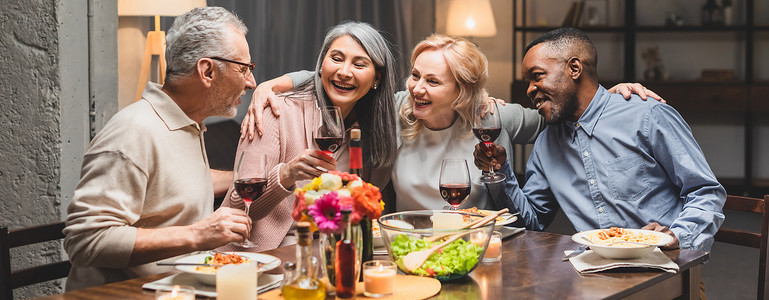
(328, 253)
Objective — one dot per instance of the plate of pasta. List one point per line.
(207, 274)
(502, 220)
(614, 242)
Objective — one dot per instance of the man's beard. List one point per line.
(562, 111)
(220, 106)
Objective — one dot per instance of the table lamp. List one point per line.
(156, 39)
(470, 18)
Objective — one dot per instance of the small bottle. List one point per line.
(305, 284)
(345, 261)
(356, 152)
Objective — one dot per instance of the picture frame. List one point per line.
(595, 13)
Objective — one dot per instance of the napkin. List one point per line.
(590, 262)
(266, 283)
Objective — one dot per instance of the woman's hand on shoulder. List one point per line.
(263, 97)
(627, 89)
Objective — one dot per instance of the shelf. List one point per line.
(691, 28)
(525, 29)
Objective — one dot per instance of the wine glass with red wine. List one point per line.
(250, 178)
(454, 182)
(487, 127)
(329, 134)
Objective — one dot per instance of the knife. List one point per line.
(575, 252)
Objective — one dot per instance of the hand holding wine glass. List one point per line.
(487, 127)
(454, 182)
(250, 179)
(329, 133)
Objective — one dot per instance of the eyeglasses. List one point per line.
(245, 71)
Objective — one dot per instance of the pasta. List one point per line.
(220, 259)
(616, 234)
(475, 210)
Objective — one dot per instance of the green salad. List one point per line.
(456, 258)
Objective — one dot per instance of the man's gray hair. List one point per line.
(201, 32)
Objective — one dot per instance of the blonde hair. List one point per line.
(469, 67)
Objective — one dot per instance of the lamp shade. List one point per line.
(470, 18)
(157, 7)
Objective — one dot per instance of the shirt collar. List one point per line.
(168, 111)
(594, 110)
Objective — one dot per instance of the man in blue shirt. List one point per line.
(603, 160)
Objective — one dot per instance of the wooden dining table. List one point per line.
(531, 268)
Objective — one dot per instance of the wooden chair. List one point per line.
(26, 236)
(750, 239)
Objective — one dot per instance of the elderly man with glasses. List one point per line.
(145, 192)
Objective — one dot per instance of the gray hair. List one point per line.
(201, 32)
(375, 110)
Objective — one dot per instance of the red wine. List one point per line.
(487, 134)
(250, 188)
(454, 193)
(329, 144)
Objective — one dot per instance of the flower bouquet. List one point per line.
(320, 202)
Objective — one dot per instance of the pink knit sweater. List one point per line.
(284, 138)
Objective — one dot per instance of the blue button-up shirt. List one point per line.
(623, 163)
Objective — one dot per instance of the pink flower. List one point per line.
(326, 213)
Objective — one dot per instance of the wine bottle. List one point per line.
(356, 152)
(345, 260)
(305, 284)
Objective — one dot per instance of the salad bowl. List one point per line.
(407, 232)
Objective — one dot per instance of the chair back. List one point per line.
(22, 237)
(747, 238)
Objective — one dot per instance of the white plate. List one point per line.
(620, 251)
(508, 218)
(270, 262)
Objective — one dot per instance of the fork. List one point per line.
(575, 252)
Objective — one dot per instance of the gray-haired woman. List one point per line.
(354, 72)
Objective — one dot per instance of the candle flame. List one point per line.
(381, 268)
(175, 291)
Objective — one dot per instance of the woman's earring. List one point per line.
(375, 86)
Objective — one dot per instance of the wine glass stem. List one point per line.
(488, 148)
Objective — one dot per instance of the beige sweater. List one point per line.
(146, 169)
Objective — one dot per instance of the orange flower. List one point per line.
(299, 206)
(367, 200)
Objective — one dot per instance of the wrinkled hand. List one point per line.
(627, 89)
(664, 229)
(308, 165)
(221, 227)
(262, 98)
(485, 157)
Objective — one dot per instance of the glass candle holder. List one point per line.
(237, 282)
(379, 278)
(494, 251)
(177, 292)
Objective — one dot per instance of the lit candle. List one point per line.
(178, 292)
(493, 252)
(236, 282)
(378, 278)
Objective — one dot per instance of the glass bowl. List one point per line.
(406, 232)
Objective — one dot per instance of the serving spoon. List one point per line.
(472, 225)
(416, 259)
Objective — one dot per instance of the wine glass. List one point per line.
(454, 182)
(486, 127)
(329, 135)
(250, 177)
